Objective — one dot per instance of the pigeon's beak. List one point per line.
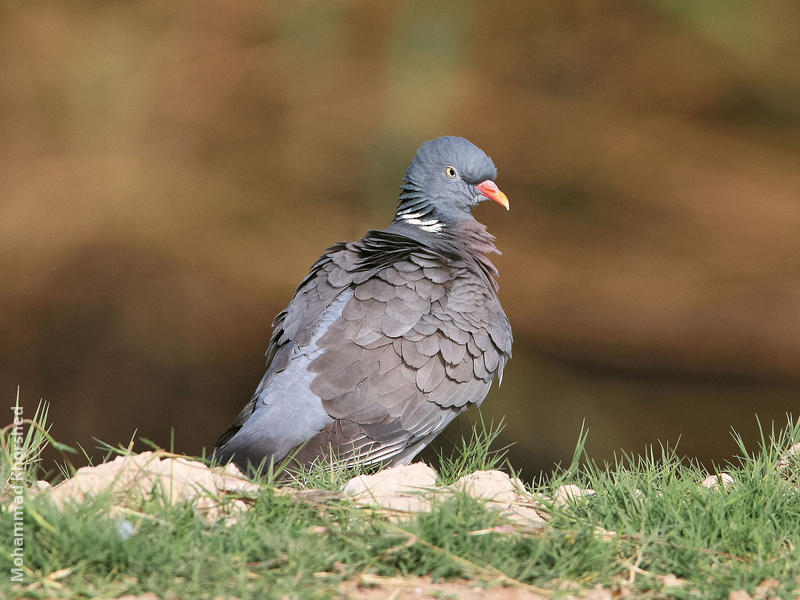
(489, 189)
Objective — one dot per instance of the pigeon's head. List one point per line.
(447, 178)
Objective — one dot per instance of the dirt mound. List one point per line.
(132, 479)
(413, 488)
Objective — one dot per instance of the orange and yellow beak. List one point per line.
(489, 189)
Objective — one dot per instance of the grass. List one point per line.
(648, 518)
(22, 443)
(475, 452)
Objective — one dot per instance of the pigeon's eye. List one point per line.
(451, 172)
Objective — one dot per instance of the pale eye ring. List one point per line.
(451, 172)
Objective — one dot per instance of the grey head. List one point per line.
(448, 177)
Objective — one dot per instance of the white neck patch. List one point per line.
(432, 225)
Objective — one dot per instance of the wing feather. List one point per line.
(418, 338)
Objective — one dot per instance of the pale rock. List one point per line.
(598, 592)
(570, 493)
(671, 580)
(791, 454)
(503, 493)
(133, 478)
(715, 481)
(404, 488)
(531, 514)
(495, 486)
(40, 486)
(766, 589)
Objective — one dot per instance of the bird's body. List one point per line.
(388, 338)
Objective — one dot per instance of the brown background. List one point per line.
(169, 171)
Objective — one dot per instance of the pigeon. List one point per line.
(389, 338)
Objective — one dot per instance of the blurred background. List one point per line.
(169, 172)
